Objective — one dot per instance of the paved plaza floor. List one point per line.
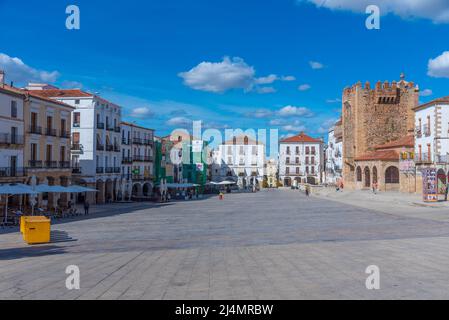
(275, 244)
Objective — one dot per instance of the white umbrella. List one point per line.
(14, 189)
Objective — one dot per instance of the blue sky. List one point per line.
(235, 63)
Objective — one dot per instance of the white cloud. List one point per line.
(304, 87)
(264, 90)
(289, 111)
(426, 93)
(221, 76)
(316, 65)
(179, 122)
(71, 85)
(260, 113)
(326, 125)
(141, 113)
(16, 70)
(288, 78)
(435, 10)
(231, 73)
(439, 67)
(267, 80)
(293, 128)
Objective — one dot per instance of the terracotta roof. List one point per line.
(407, 141)
(33, 93)
(136, 126)
(433, 102)
(60, 93)
(302, 137)
(384, 155)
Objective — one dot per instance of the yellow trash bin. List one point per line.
(36, 230)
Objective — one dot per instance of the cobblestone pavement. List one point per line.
(270, 245)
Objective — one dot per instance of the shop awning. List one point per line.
(17, 189)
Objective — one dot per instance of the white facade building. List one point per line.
(334, 155)
(96, 141)
(300, 160)
(241, 160)
(138, 160)
(11, 135)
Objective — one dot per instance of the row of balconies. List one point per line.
(49, 132)
(101, 126)
(307, 153)
(108, 147)
(137, 177)
(39, 164)
(11, 140)
(108, 170)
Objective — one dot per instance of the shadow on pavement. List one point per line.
(27, 252)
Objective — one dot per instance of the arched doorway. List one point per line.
(375, 178)
(311, 180)
(287, 182)
(367, 177)
(137, 190)
(147, 190)
(109, 190)
(392, 175)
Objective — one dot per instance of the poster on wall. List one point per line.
(430, 185)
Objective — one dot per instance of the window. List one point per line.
(359, 174)
(313, 170)
(297, 170)
(313, 150)
(288, 150)
(392, 175)
(307, 170)
(297, 160)
(77, 101)
(76, 119)
(307, 150)
(297, 150)
(287, 170)
(13, 109)
(33, 152)
(287, 160)
(76, 137)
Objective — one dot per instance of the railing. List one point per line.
(109, 127)
(77, 147)
(6, 138)
(100, 125)
(142, 158)
(35, 129)
(117, 129)
(35, 164)
(137, 141)
(418, 132)
(100, 147)
(76, 170)
(423, 158)
(116, 148)
(148, 142)
(100, 170)
(109, 147)
(117, 170)
(126, 141)
(12, 172)
(51, 164)
(426, 130)
(65, 134)
(442, 159)
(126, 176)
(64, 164)
(51, 132)
(127, 160)
(109, 170)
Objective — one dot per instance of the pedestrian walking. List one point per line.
(307, 191)
(86, 207)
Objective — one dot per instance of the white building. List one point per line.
(241, 160)
(300, 160)
(11, 135)
(334, 155)
(432, 138)
(137, 160)
(272, 173)
(96, 141)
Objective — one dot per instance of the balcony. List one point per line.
(117, 148)
(109, 147)
(35, 164)
(426, 130)
(100, 170)
(109, 127)
(418, 132)
(100, 147)
(64, 164)
(126, 141)
(51, 164)
(51, 132)
(100, 125)
(65, 134)
(142, 158)
(76, 147)
(109, 170)
(12, 172)
(148, 142)
(127, 160)
(137, 141)
(423, 158)
(117, 170)
(35, 129)
(117, 129)
(7, 139)
(76, 170)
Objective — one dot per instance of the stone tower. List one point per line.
(373, 117)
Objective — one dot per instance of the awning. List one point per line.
(181, 185)
(223, 183)
(15, 189)
(80, 189)
(51, 189)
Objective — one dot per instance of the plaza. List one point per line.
(275, 244)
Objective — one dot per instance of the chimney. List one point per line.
(2, 77)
